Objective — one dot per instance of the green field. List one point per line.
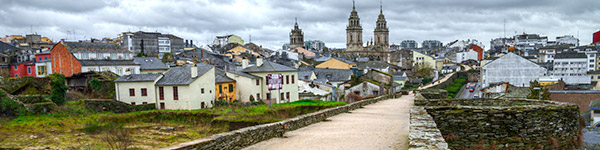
(73, 127)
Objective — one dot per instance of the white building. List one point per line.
(511, 68)
(467, 55)
(571, 67)
(251, 81)
(185, 88)
(567, 39)
(530, 41)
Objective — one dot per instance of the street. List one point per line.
(466, 94)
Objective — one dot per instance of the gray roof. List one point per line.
(150, 63)
(268, 66)
(244, 74)
(303, 73)
(568, 55)
(94, 47)
(106, 62)
(322, 59)
(399, 78)
(182, 75)
(324, 75)
(138, 77)
(376, 64)
(7, 47)
(220, 77)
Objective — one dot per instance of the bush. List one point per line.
(9, 107)
(456, 86)
(59, 89)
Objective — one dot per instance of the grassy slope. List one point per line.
(74, 126)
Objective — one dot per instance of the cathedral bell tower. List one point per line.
(354, 31)
(296, 37)
(382, 33)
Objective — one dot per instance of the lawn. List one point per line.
(455, 86)
(73, 126)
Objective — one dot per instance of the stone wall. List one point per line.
(101, 105)
(251, 135)
(516, 124)
(424, 133)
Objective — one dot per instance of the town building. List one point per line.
(317, 45)
(152, 44)
(304, 52)
(296, 37)
(596, 37)
(419, 58)
(150, 65)
(70, 58)
(187, 87)
(221, 41)
(336, 63)
(510, 68)
(530, 41)
(571, 67)
(225, 87)
(568, 40)
(409, 44)
(137, 89)
(429, 44)
(474, 52)
(43, 64)
(253, 81)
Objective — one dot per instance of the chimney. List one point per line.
(244, 63)
(194, 70)
(259, 61)
(186, 43)
(191, 43)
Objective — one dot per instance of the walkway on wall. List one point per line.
(382, 125)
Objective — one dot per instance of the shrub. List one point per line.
(455, 86)
(59, 89)
(9, 107)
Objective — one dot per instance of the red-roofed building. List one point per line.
(596, 37)
(479, 51)
(70, 58)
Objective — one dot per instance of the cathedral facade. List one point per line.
(377, 50)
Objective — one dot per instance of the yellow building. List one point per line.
(336, 63)
(544, 81)
(225, 87)
(420, 58)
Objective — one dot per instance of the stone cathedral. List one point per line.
(379, 49)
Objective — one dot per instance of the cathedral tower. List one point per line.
(354, 31)
(296, 37)
(382, 34)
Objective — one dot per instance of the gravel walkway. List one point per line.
(382, 125)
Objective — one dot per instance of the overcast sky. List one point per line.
(270, 21)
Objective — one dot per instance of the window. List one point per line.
(281, 96)
(132, 103)
(162, 105)
(84, 56)
(41, 70)
(230, 87)
(161, 93)
(287, 95)
(17, 68)
(40, 58)
(131, 92)
(45, 57)
(292, 79)
(175, 93)
(113, 55)
(221, 89)
(202, 90)
(144, 92)
(257, 96)
(99, 56)
(257, 82)
(144, 103)
(29, 70)
(287, 79)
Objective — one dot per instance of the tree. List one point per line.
(535, 93)
(59, 89)
(167, 57)
(141, 54)
(424, 70)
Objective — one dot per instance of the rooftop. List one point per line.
(150, 63)
(138, 77)
(182, 75)
(94, 47)
(268, 66)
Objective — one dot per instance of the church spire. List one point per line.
(380, 7)
(296, 24)
(353, 5)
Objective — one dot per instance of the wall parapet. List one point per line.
(244, 137)
(424, 133)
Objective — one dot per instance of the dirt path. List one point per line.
(383, 125)
(443, 79)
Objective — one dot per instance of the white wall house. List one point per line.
(248, 84)
(464, 56)
(137, 89)
(511, 68)
(187, 88)
(183, 88)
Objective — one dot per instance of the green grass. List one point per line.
(455, 86)
(72, 119)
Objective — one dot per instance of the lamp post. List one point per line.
(539, 92)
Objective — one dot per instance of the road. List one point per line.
(382, 125)
(469, 95)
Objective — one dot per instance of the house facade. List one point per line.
(187, 88)
(419, 58)
(511, 68)
(70, 58)
(43, 65)
(571, 67)
(225, 87)
(137, 89)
